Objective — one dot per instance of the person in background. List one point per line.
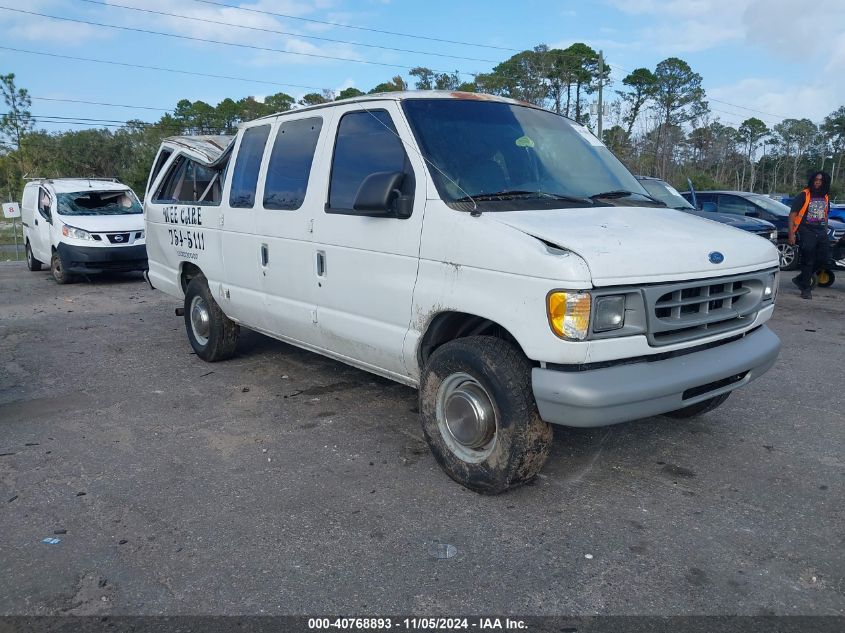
(808, 224)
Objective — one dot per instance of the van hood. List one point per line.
(625, 245)
(105, 223)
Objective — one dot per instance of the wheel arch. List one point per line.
(450, 325)
(187, 273)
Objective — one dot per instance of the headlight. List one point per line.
(770, 291)
(569, 314)
(70, 231)
(609, 313)
(773, 236)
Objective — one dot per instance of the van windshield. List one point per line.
(508, 157)
(98, 203)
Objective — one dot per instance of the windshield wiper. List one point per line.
(511, 194)
(624, 193)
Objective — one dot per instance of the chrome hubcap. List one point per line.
(466, 417)
(200, 320)
(787, 254)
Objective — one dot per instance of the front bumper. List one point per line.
(600, 397)
(86, 259)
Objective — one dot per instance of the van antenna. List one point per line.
(475, 212)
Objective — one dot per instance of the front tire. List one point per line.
(788, 256)
(699, 408)
(478, 414)
(212, 334)
(60, 276)
(31, 263)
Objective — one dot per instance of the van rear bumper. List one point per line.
(600, 397)
(86, 259)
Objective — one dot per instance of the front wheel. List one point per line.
(60, 276)
(33, 264)
(479, 416)
(788, 255)
(212, 334)
(699, 408)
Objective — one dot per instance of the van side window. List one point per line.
(45, 201)
(290, 163)
(188, 181)
(162, 158)
(366, 143)
(245, 175)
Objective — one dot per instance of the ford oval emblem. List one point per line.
(716, 257)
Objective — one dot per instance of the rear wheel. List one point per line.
(33, 264)
(479, 416)
(699, 408)
(788, 255)
(212, 334)
(59, 274)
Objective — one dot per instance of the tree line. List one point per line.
(657, 121)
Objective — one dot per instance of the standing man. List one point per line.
(808, 221)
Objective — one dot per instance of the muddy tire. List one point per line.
(31, 263)
(211, 333)
(479, 416)
(699, 408)
(60, 276)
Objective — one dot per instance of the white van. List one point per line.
(82, 226)
(490, 253)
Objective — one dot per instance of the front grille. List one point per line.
(118, 238)
(687, 311)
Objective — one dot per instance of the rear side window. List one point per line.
(366, 143)
(245, 174)
(734, 205)
(290, 163)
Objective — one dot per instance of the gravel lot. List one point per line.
(281, 482)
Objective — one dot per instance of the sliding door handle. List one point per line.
(321, 264)
(265, 255)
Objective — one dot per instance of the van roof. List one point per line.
(405, 95)
(74, 185)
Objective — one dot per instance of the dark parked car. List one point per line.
(756, 205)
(667, 194)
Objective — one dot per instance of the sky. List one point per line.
(772, 59)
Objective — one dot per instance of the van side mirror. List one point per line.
(710, 207)
(380, 195)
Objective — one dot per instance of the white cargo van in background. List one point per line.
(492, 254)
(82, 226)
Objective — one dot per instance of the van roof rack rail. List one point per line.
(50, 178)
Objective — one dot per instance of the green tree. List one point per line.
(833, 127)
(396, 84)
(642, 86)
(279, 102)
(678, 98)
(349, 93)
(425, 77)
(15, 124)
(519, 77)
(751, 132)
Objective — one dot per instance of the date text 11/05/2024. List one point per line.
(416, 624)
